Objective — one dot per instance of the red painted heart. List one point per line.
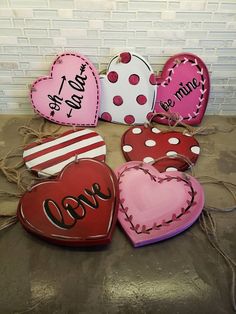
(183, 88)
(147, 143)
(79, 208)
(156, 206)
(71, 94)
(51, 155)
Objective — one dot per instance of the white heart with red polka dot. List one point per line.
(128, 90)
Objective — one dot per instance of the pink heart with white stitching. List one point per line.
(183, 88)
(155, 206)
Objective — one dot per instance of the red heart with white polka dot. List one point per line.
(149, 143)
(128, 90)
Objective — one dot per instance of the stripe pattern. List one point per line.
(52, 155)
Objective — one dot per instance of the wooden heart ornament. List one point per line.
(156, 206)
(128, 90)
(71, 94)
(183, 88)
(148, 143)
(79, 208)
(49, 156)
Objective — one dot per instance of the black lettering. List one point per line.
(76, 103)
(48, 204)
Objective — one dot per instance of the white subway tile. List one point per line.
(37, 23)
(153, 5)
(34, 32)
(8, 65)
(6, 12)
(168, 15)
(61, 4)
(97, 24)
(28, 3)
(70, 24)
(45, 13)
(92, 15)
(8, 40)
(41, 41)
(22, 13)
(74, 33)
(94, 4)
(124, 16)
(115, 25)
(117, 34)
(65, 13)
(139, 25)
(4, 22)
(194, 16)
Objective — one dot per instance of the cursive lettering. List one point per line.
(74, 208)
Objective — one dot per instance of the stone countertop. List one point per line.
(180, 275)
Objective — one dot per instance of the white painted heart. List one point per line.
(128, 90)
(71, 94)
(155, 206)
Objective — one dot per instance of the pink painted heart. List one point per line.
(49, 156)
(148, 143)
(71, 94)
(128, 90)
(183, 88)
(156, 206)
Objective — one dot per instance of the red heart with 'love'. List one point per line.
(78, 208)
(149, 143)
(183, 88)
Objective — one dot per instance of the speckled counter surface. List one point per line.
(181, 275)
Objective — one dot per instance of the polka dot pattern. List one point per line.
(152, 79)
(127, 148)
(173, 140)
(155, 130)
(171, 153)
(112, 76)
(126, 92)
(149, 144)
(117, 100)
(141, 99)
(136, 130)
(134, 79)
(148, 159)
(171, 169)
(195, 149)
(129, 119)
(125, 57)
(106, 116)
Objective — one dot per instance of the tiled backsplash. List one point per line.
(32, 32)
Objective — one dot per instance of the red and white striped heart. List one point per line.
(51, 155)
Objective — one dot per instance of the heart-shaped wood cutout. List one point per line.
(155, 206)
(149, 143)
(71, 94)
(183, 88)
(49, 156)
(128, 90)
(79, 208)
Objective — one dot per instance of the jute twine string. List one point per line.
(14, 173)
(175, 120)
(208, 226)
